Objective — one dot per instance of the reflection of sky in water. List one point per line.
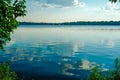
(63, 50)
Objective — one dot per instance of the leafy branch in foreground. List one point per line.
(9, 11)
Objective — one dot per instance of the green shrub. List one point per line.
(96, 75)
(110, 75)
(6, 73)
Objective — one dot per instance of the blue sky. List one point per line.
(71, 10)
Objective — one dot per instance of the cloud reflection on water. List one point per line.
(65, 50)
(60, 54)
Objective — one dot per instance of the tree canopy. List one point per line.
(114, 1)
(9, 11)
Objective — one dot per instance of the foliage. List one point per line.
(96, 75)
(114, 1)
(6, 73)
(9, 11)
(111, 75)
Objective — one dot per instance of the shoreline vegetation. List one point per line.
(74, 23)
(114, 74)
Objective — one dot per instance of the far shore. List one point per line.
(74, 23)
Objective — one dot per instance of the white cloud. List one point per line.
(39, 4)
(75, 2)
(46, 5)
(111, 7)
(58, 3)
(82, 4)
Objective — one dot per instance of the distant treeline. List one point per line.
(75, 23)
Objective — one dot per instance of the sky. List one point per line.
(57, 11)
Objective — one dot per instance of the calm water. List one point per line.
(61, 52)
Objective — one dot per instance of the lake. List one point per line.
(58, 52)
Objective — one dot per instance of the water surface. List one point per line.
(61, 52)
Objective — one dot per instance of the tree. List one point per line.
(114, 1)
(9, 11)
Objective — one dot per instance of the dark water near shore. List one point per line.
(61, 52)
